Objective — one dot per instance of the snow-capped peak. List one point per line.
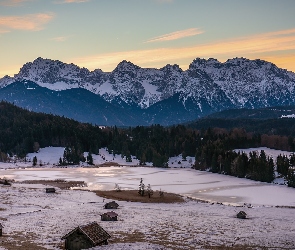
(238, 82)
(126, 66)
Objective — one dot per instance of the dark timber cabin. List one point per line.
(109, 216)
(50, 190)
(111, 205)
(87, 236)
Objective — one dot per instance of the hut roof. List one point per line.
(111, 214)
(112, 204)
(241, 215)
(51, 189)
(94, 232)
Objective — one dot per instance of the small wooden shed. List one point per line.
(111, 205)
(242, 215)
(109, 216)
(1, 229)
(50, 190)
(87, 236)
(5, 182)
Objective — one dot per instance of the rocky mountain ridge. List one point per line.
(207, 86)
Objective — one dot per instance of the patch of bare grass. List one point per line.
(108, 164)
(60, 183)
(133, 196)
(20, 241)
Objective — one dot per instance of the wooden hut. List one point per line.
(1, 229)
(111, 205)
(242, 215)
(50, 190)
(87, 236)
(109, 216)
(5, 182)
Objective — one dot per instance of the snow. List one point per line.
(28, 212)
(273, 153)
(43, 218)
(48, 155)
(187, 182)
(151, 94)
(288, 116)
(106, 88)
(57, 86)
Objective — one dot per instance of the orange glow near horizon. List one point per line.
(252, 47)
(276, 47)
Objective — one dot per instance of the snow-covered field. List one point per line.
(269, 152)
(29, 214)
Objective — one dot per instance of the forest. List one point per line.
(22, 131)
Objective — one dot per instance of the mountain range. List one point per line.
(131, 95)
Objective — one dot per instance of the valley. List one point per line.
(206, 220)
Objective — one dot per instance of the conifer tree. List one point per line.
(291, 178)
(60, 162)
(89, 159)
(149, 190)
(141, 188)
(35, 160)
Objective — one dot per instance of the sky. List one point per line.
(149, 33)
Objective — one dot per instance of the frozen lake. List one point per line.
(196, 184)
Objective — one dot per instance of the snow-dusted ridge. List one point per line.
(236, 83)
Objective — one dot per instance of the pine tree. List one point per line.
(270, 175)
(183, 156)
(149, 190)
(291, 178)
(35, 160)
(142, 159)
(89, 159)
(283, 164)
(141, 188)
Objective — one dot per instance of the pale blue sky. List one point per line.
(150, 33)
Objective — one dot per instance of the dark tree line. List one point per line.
(22, 132)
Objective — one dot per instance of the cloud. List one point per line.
(12, 2)
(59, 38)
(255, 46)
(176, 35)
(164, 1)
(33, 22)
(71, 1)
(3, 31)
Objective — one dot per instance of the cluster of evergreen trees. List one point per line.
(286, 167)
(73, 156)
(22, 132)
(255, 167)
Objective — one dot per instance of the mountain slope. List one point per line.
(261, 113)
(77, 103)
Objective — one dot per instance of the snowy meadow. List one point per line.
(32, 218)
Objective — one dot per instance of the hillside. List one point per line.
(259, 113)
(23, 131)
(271, 120)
